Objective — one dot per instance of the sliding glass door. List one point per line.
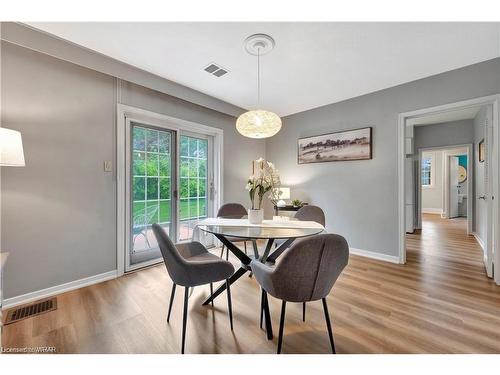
(152, 179)
(170, 182)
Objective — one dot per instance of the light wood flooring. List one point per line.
(439, 302)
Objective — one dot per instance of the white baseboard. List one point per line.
(479, 240)
(374, 255)
(437, 211)
(58, 289)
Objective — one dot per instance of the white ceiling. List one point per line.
(438, 118)
(313, 64)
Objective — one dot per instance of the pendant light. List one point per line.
(258, 123)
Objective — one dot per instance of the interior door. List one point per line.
(486, 198)
(151, 158)
(453, 165)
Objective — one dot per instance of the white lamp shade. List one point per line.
(284, 193)
(11, 148)
(258, 124)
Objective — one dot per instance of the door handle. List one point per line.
(482, 197)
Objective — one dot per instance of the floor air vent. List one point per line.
(19, 313)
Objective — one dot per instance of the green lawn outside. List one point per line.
(188, 209)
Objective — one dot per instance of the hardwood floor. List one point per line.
(439, 302)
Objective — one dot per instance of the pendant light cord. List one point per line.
(258, 77)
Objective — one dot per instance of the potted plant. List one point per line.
(297, 203)
(264, 178)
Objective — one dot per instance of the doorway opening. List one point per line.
(454, 146)
(445, 184)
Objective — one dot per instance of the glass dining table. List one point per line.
(286, 231)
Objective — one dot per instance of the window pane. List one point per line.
(184, 193)
(193, 168)
(152, 212)
(202, 148)
(139, 188)
(164, 165)
(165, 211)
(152, 164)
(193, 188)
(184, 151)
(184, 209)
(202, 168)
(139, 163)
(139, 137)
(184, 169)
(164, 188)
(193, 147)
(152, 192)
(201, 187)
(193, 208)
(203, 207)
(164, 145)
(152, 140)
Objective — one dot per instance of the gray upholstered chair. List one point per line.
(311, 213)
(232, 211)
(190, 264)
(305, 272)
(308, 213)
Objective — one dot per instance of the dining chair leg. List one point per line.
(229, 304)
(328, 325)
(282, 326)
(184, 318)
(261, 307)
(303, 311)
(212, 292)
(267, 317)
(172, 295)
(245, 245)
(222, 252)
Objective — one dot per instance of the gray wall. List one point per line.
(59, 212)
(360, 198)
(445, 134)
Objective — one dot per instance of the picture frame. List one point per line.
(482, 151)
(345, 145)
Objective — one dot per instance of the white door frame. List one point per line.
(470, 181)
(493, 100)
(172, 123)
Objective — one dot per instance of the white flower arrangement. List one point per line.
(263, 180)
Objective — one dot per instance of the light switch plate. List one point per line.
(108, 166)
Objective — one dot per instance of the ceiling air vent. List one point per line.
(216, 70)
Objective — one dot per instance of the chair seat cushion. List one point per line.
(209, 268)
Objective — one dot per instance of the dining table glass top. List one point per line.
(241, 228)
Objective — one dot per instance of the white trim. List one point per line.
(479, 240)
(430, 210)
(374, 255)
(58, 289)
(402, 117)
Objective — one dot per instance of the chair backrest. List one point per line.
(310, 267)
(232, 211)
(311, 213)
(177, 267)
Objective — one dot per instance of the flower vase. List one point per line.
(255, 216)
